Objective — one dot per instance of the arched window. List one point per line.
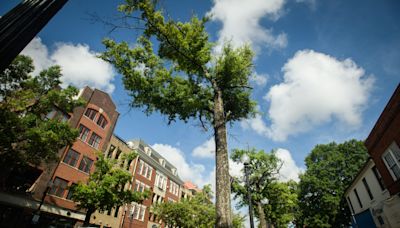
(91, 113)
(102, 122)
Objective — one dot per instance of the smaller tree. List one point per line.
(264, 186)
(330, 170)
(195, 212)
(105, 188)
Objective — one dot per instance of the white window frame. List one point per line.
(140, 211)
(145, 169)
(161, 181)
(173, 188)
(394, 152)
(140, 185)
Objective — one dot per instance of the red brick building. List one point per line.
(383, 144)
(49, 189)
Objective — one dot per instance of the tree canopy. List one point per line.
(330, 170)
(105, 188)
(194, 212)
(28, 135)
(183, 79)
(274, 201)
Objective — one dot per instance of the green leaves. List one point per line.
(181, 78)
(27, 136)
(105, 188)
(330, 169)
(263, 184)
(194, 212)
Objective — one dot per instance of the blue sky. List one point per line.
(324, 71)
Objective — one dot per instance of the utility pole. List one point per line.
(21, 24)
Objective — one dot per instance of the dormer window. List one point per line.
(91, 113)
(147, 150)
(102, 122)
(173, 170)
(162, 162)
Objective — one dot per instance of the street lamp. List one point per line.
(246, 160)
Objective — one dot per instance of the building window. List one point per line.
(351, 205)
(71, 191)
(102, 122)
(110, 151)
(392, 160)
(162, 162)
(173, 188)
(161, 181)
(367, 188)
(94, 140)
(145, 169)
(137, 211)
(140, 187)
(57, 115)
(358, 198)
(119, 151)
(378, 178)
(91, 113)
(83, 132)
(71, 158)
(59, 187)
(86, 164)
(147, 151)
(157, 199)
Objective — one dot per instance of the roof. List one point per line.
(392, 109)
(361, 171)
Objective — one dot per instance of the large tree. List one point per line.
(105, 188)
(27, 135)
(274, 201)
(330, 170)
(182, 80)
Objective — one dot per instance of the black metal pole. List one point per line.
(21, 24)
(246, 174)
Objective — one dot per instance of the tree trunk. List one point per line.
(87, 218)
(223, 185)
(261, 215)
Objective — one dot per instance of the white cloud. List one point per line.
(39, 53)
(256, 123)
(80, 66)
(259, 79)
(317, 89)
(187, 171)
(205, 150)
(289, 169)
(241, 22)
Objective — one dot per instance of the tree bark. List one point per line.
(261, 215)
(223, 185)
(89, 213)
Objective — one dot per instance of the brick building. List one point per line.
(49, 184)
(383, 143)
(48, 187)
(149, 171)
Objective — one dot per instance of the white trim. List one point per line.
(391, 150)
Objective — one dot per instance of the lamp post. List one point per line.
(21, 24)
(246, 161)
(36, 214)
